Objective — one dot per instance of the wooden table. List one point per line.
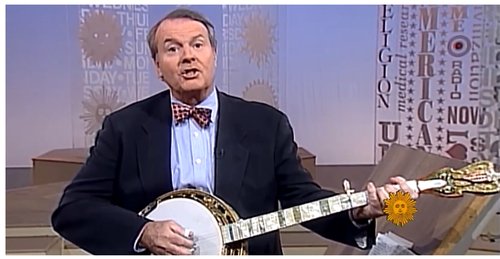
(58, 165)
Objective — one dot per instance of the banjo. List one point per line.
(218, 230)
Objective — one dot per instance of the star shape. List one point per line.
(441, 72)
(440, 100)
(439, 138)
(410, 118)
(440, 119)
(409, 127)
(409, 136)
(410, 109)
(440, 110)
(441, 81)
(410, 100)
(439, 128)
(410, 90)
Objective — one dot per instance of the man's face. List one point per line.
(185, 58)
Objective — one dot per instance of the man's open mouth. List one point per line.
(190, 73)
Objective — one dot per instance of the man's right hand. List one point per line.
(165, 238)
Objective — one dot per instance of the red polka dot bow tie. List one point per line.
(184, 112)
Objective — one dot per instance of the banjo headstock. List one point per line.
(477, 178)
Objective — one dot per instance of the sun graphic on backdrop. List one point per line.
(399, 208)
(258, 34)
(100, 38)
(97, 105)
(260, 91)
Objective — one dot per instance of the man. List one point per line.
(242, 152)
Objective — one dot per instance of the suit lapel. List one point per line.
(153, 149)
(230, 155)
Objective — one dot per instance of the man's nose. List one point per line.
(187, 55)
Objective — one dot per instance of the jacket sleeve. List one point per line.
(296, 187)
(86, 214)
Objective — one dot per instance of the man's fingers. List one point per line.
(188, 233)
(376, 196)
(404, 186)
(176, 228)
(382, 195)
(174, 244)
(372, 191)
(177, 236)
(391, 188)
(178, 250)
(180, 240)
(166, 237)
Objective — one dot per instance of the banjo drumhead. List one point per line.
(192, 215)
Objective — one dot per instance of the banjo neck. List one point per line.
(247, 228)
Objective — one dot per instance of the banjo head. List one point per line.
(200, 212)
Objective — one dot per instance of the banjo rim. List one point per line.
(220, 210)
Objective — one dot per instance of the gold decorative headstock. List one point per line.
(476, 178)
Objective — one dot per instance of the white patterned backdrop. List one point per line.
(352, 79)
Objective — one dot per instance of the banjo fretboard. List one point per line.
(266, 223)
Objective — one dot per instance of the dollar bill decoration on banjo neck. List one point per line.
(219, 230)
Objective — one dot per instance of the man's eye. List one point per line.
(172, 49)
(198, 45)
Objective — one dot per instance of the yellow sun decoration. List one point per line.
(100, 38)
(261, 91)
(97, 105)
(399, 208)
(259, 38)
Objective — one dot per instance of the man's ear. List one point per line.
(156, 62)
(215, 57)
(157, 66)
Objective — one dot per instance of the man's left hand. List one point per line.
(376, 197)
